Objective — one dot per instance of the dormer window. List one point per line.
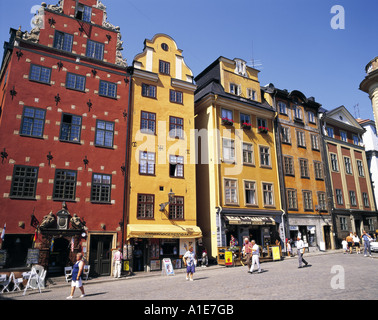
(83, 13)
(235, 89)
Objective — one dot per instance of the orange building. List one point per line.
(302, 178)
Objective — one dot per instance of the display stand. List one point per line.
(167, 267)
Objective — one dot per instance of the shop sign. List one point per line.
(276, 253)
(155, 265)
(293, 228)
(228, 258)
(185, 244)
(126, 265)
(168, 267)
(33, 256)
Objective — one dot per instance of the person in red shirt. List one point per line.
(248, 252)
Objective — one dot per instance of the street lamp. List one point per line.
(171, 196)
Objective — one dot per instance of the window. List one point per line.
(228, 150)
(315, 142)
(348, 166)
(262, 123)
(311, 117)
(282, 107)
(245, 118)
(365, 199)
(235, 89)
(343, 224)
(148, 122)
(289, 166)
(330, 132)
(146, 204)
(164, 67)
(334, 163)
(231, 191)
(298, 115)
(176, 208)
(101, 188)
(301, 139)
(343, 136)
(248, 153)
(356, 140)
(307, 200)
(352, 197)
(148, 91)
(268, 194)
(176, 127)
(104, 134)
(176, 166)
(339, 197)
(265, 156)
(83, 13)
(147, 163)
(108, 89)
(292, 202)
(250, 192)
(370, 223)
(65, 185)
(360, 167)
(75, 82)
(318, 167)
(70, 129)
(303, 163)
(63, 41)
(164, 46)
(33, 121)
(40, 74)
(176, 96)
(24, 182)
(95, 50)
(251, 94)
(286, 138)
(227, 115)
(322, 201)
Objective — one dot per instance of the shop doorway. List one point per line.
(100, 255)
(327, 237)
(17, 249)
(139, 255)
(358, 227)
(59, 257)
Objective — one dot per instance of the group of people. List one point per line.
(352, 240)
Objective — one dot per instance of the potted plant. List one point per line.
(263, 129)
(246, 126)
(227, 121)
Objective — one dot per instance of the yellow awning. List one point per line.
(160, 231)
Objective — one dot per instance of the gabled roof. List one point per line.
(342, 117)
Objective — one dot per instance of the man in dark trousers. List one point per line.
(301, 250)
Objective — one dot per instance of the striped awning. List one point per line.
(246, 220)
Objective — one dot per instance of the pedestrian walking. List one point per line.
(301, 249)
(349, 239)
(77, 271)
(367, 238)
(205, 259)
(189, 259)
(248, 253)
(255, 257)
(288, 248)
(356, 242)
(117, 263)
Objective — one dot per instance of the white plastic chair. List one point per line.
(68, 273)
(17, 282)
(4, 282)
(86, 271)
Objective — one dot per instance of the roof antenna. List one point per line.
(357, 111)
(255, 64)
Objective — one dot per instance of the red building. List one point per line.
(64, 94)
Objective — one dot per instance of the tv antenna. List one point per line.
(357, 111)
(255, 64)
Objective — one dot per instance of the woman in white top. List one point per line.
(356, 241)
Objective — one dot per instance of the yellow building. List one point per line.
(237, 177)
(161, 199)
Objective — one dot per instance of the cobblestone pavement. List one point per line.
(335, 276)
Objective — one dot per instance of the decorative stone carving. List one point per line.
(76, 223)
(48, 221)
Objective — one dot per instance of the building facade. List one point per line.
(370, 86)
(302, 171)
(370, 141)
(161, 215)
(353, 205)
(237, 176)
(64, 90)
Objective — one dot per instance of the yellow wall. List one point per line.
(161, 143)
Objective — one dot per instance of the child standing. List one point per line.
(345, 245)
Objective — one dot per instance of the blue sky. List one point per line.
(293, 39)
